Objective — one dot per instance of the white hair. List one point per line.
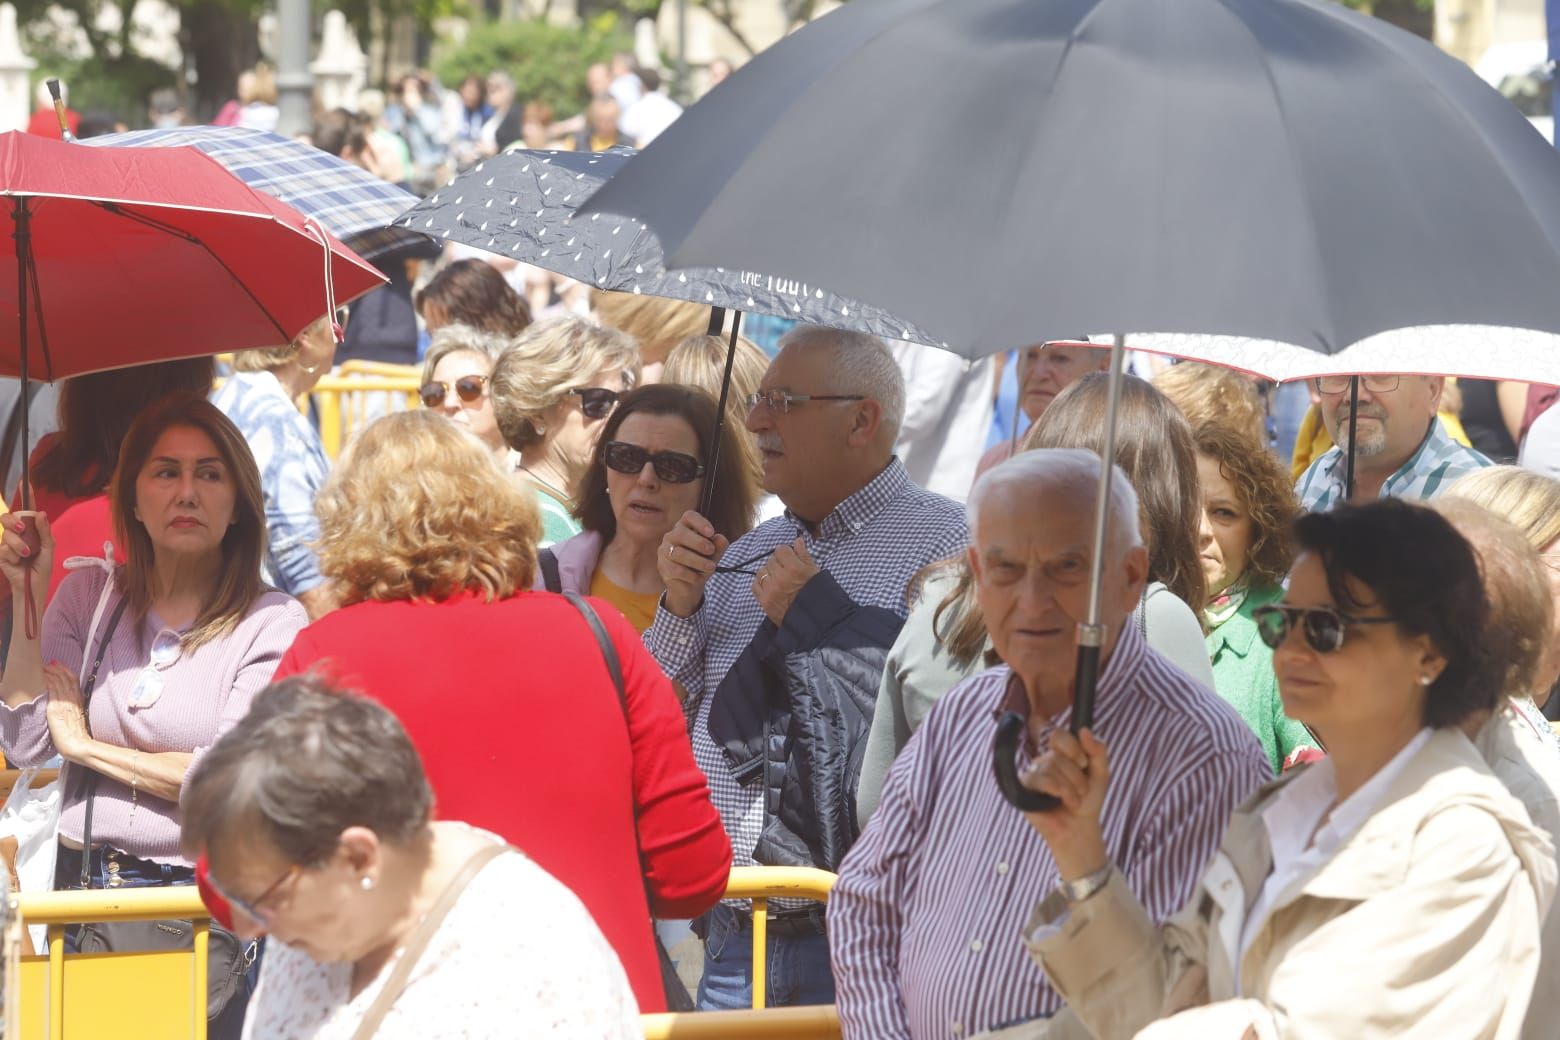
(862, 365)
(1072, 472)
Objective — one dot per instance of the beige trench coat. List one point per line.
(1425, 924)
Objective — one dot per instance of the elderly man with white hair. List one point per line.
(925, 920)
(856, 530)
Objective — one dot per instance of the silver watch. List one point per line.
(1079, 889)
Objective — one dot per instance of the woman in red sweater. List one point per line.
(504, 691)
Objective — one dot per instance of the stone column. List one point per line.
(15, 74)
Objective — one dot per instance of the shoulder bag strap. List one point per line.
(88, 684)
(547, 560)
(608, 651)
(395, 985)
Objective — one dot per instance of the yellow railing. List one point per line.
(89, 993)
(358, 392)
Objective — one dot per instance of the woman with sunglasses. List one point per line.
(137, 669)
(456, 375)
(1394, 888)
(551, 391)
(648, 469)
(505, 691)
(334, 853)
(1248, 507)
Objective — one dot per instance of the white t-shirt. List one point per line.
(517, 955)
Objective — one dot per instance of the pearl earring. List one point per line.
(367, 883)
(1425, 680)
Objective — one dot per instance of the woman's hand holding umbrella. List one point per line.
(1075, 770)
(17, 558)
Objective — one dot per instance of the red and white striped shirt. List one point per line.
(925, 920)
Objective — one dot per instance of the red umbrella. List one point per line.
(125, 256)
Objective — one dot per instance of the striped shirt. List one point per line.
(925, 921)
(293, 468)
(1429, 471)
(872, 544)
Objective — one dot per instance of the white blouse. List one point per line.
(517, 955)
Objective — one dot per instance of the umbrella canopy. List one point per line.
(146, 254)
(352, 203)
(1285, 170)
(522, 204)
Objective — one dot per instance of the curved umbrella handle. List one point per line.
(1004, 762)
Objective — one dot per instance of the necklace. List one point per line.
(559, 495)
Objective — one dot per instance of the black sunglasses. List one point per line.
(671, 466)
(467, 388)
(596, 402)
(1323, 627)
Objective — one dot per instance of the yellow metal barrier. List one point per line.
(88, 993)
(358, 392)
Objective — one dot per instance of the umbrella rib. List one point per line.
(157, 225)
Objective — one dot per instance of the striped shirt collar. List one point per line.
(858, 509)
(1124, 661)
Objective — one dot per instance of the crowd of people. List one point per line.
(451, 721)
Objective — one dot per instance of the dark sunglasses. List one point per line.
(467, 388)
(1323, 627)
(597, 403)
(671, 466)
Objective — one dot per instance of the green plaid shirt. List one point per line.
(1429, 471)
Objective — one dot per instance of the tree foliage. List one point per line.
(547, 62)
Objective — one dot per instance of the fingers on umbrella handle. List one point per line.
(1004, 763)
(29, 535)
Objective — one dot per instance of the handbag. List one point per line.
(677, 997)
(395, 985)
(29, 839)
(227, 958)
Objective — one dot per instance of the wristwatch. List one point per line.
(1079, 889)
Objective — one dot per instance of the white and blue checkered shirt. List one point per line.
(1428, 472)
(873, 544)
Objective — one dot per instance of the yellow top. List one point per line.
(638, 607)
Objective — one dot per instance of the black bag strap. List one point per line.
(547, 560)
(88, 684)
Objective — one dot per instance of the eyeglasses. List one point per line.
(250, 908)
(467, 388)
(671, 466)
(782, 400)
(1323, 627)
(595, 401)
(1374, 384)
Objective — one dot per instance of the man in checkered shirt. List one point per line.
(1402, 452)
(825, 417)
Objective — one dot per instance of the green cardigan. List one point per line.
(1243, 676)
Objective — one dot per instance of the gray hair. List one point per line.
(862, 365)
(456, 339)
(1071, 471)
(306, 763)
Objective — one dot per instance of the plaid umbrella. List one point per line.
(350, 202)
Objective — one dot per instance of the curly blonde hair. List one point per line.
(544, 363)
(417, 510)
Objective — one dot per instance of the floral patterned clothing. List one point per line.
(517, 955)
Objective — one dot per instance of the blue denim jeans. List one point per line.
(797, 969)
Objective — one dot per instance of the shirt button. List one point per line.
(1002, 868)
(976, 946)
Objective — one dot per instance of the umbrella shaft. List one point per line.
(1102, 494)
(720, 413)
(22, 219)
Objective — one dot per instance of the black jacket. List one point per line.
(793, 713)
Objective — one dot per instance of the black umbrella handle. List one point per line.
(1010, 730)
(720, 414)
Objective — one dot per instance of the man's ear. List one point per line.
(1436, 386)
(1135, 567)
(865, 423)
(974, 560)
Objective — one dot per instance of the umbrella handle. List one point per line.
(59, 110)
(1004, 762)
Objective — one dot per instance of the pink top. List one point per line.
(203, 693)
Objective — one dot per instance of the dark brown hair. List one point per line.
(308, 761)
(243, 545)
(731, 510)
(96, 411)
(472, 292)
(1266, 494)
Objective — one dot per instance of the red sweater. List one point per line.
(513, 712)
